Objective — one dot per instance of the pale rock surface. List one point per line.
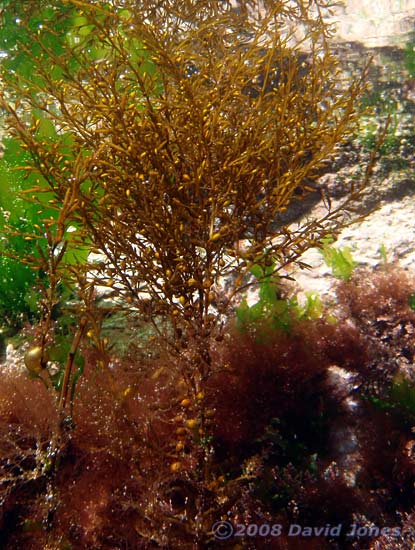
(374, 24)
(392, 225)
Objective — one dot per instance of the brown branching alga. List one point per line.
(169, 137)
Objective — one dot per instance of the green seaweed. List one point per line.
(340, 261)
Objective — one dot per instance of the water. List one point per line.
(385, 31)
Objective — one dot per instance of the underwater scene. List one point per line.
(207, 285)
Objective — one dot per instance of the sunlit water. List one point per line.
(385, 31)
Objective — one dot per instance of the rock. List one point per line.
(392, 226)
(374, 24)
